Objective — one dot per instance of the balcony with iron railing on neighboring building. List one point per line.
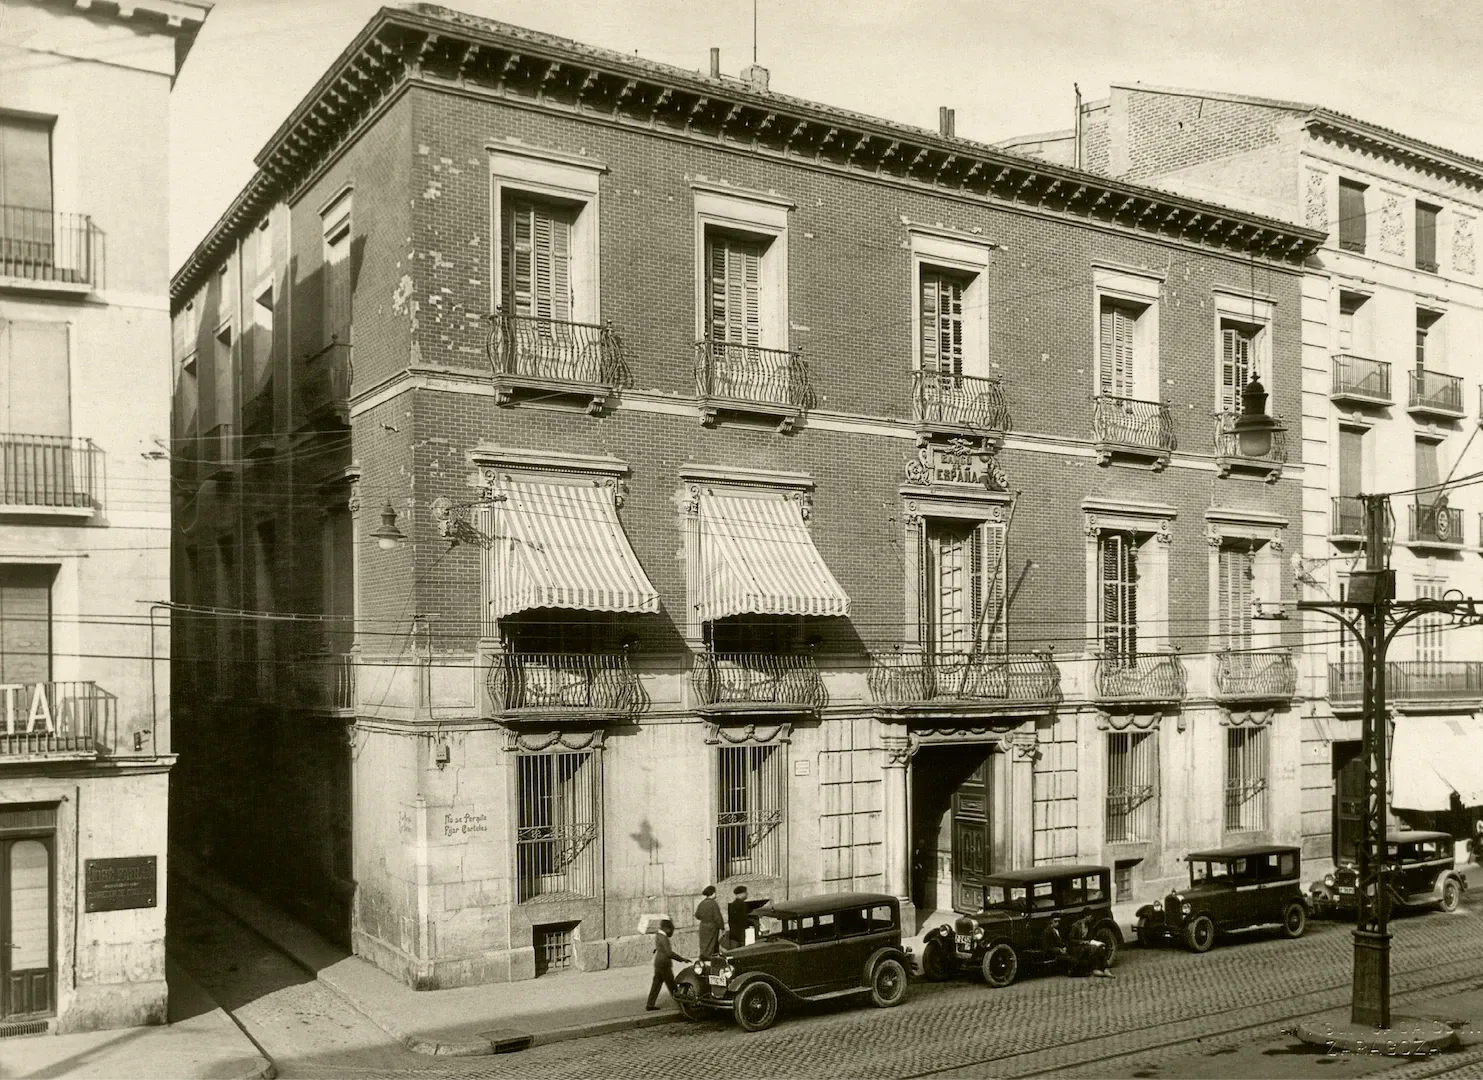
(50, 474)
(756, 682)
(327, 680)
(1140, 678)
(1360, 381)
(1416, 683)
(322, 385)
(946, 403)
(737, 378)
(555, 356)
(1254, 676)
(1128, 427)
(56, 720)
(44, 249)
(576, 685)
(1435, 394)
(1346, 518)
(1229, 457)
(965, 684)
(1434, 525)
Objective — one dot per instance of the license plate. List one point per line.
(964, 941)
(1345, 890)
(717, 980)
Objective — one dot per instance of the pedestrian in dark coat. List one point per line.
(1085, 955)
(664, 965)
(738, 916)
(708, 914)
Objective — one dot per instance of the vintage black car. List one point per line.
(1020, 907)
(806, 950)
(1229, 889)
(1423, 871)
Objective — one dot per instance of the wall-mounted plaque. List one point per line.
(116, 884)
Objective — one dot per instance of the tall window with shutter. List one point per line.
(1430, 630)
(537, 260)
(1118, 557)
(942, 322)
(25, 623)
(1237, 362)
(965, 586)
(1236, 569)
(1426, 237)
(735, 274)
(25, 193)
(1117, 349)
(1351, 215)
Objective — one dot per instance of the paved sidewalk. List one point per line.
(199, 1043)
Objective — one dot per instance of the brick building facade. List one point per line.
(676, 482)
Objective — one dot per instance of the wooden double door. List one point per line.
(1349, 799)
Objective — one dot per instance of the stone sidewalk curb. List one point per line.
(255, 914)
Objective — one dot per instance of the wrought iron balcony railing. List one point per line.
(1128, 423)
(1346, 683)
(945, 679)
(1434, 524)
(1140, 677)
(1435, 392)
(1347, 517)
(757, 682)
(555, 351)
(741, 376)
(40, 471)
(547, 684)
(1228, 444)
(45, 246)
(328, 680)
(1357, 378)
(323, 382)
(1255, 676)
(72, 719)
(1411, 681)
(970, 403)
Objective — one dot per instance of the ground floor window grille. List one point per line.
(751, 809)
(1132, 785)
(556, 848)
(1246, 779)
(553, 944)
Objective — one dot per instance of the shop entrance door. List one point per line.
(971, 848)
(1349, 799)
(27, 967)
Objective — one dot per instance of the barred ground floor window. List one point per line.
(556, 838)
(1132, 785)
(1246, 779)
(751, 809)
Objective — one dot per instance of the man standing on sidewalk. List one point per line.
(664, 966)
(708, 914)
(739, 912)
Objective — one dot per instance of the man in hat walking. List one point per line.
(664, 965)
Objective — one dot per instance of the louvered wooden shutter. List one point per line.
(537, 261)
(1119, 596)
(942, 324)
(1351, 216)
(1235, 366)
(988, 595)
(1116, 359)
(736, 291)
(1236, 568)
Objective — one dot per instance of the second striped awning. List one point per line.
(562, 546)
(757, 558)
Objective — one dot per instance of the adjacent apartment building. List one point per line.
(599, 479)
(84, 509)
(1392, 351)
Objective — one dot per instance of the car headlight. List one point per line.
(1158, 905)
(945, 928)
(726, 972)
(1184, 909)
(1328, 879)
(699, 966)
(978, 934)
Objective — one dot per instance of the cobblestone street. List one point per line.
(1145, 1023)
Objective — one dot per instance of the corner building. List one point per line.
(85, 749)
(681, 483)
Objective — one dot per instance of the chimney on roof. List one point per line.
(945, 122)
(715, 63)
(755, 75)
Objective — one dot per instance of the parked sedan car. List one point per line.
(1423, 871)
(1229, 889)
(1020, 907)
(806, 950)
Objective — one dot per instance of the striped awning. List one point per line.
(1433, 756)
(561, 546)
(757, 558)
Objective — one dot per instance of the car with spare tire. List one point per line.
(812, 949)
(1422, 872)
(1024, 921)
(1231, 888)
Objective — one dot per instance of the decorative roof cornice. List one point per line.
(173, 17)
(435, 47)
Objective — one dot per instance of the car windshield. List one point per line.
(1005, 897)
(774, 929)
(1209, 871)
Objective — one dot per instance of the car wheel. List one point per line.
(934, 962)
(685, 999)
(1107, 934)
(1294, 920)
(1199, 935)
(1451, 895)
(756, 1007)
(1000, 965)
(888, 984)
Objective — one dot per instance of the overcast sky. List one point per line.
(1006, 66)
